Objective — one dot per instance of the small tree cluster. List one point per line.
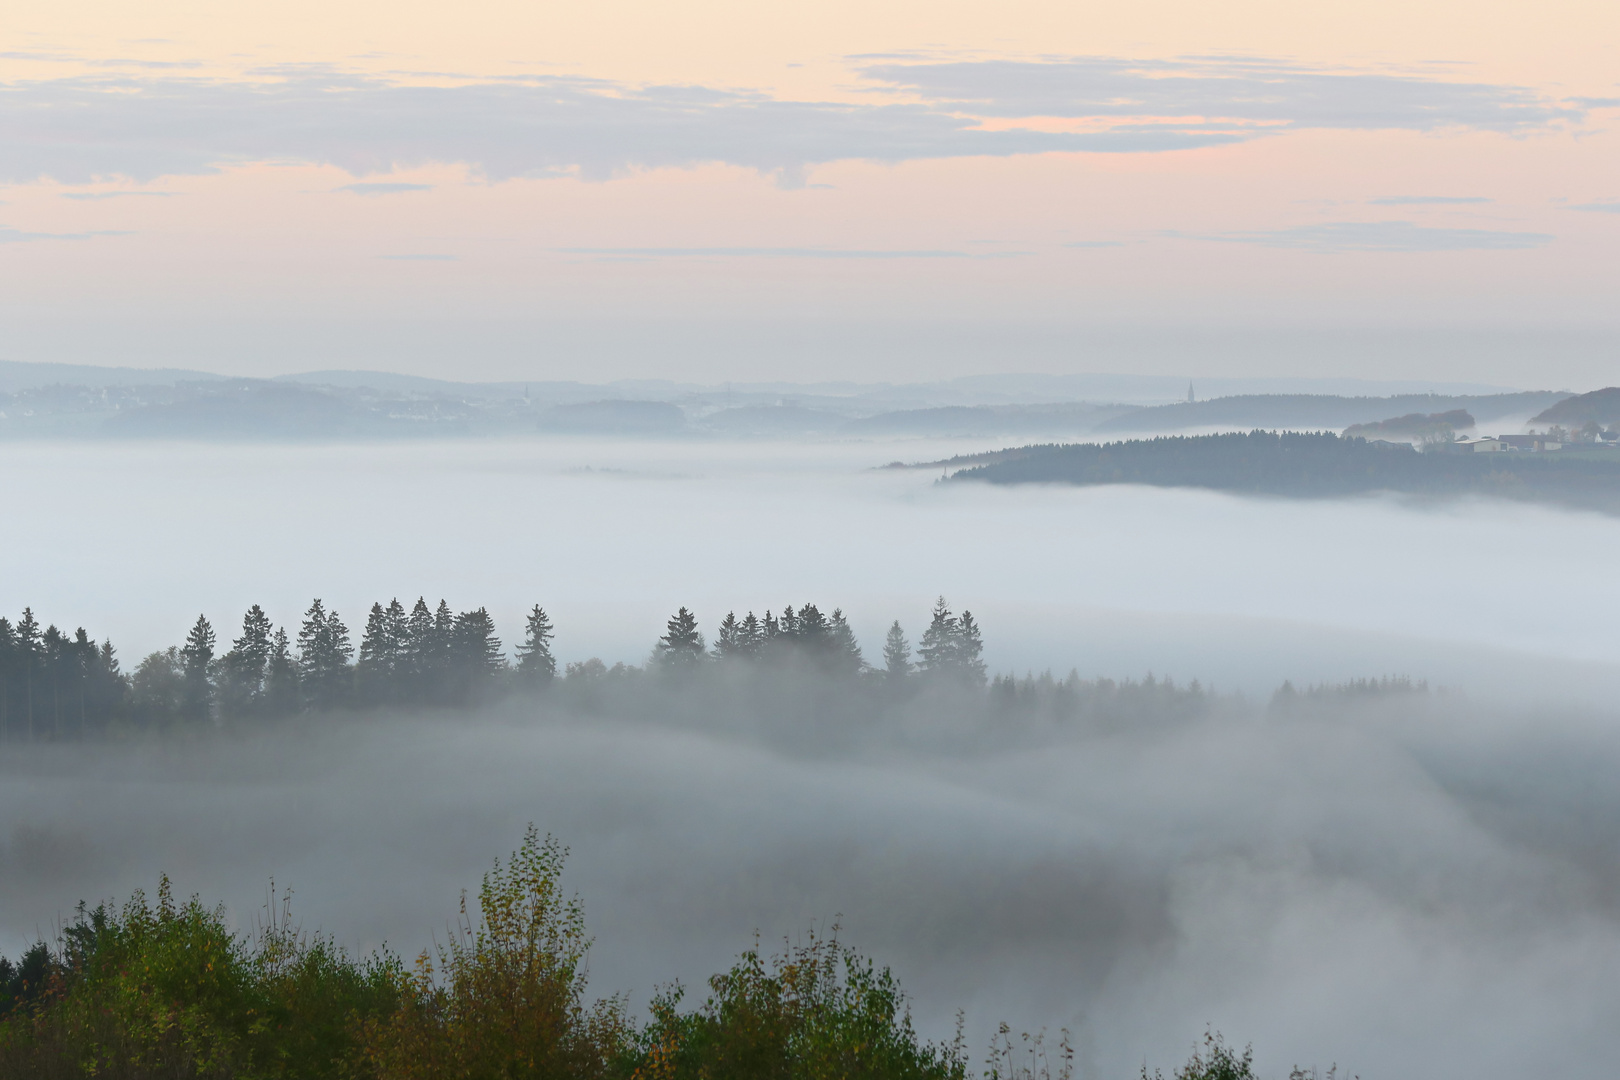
(824, 639)
(952, 646)
(53, 685)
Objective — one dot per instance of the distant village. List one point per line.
(1583, 422)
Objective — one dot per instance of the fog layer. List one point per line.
(1419, 886)
(1404, 887)
(134, 541)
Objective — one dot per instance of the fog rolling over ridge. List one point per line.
(1404, 883)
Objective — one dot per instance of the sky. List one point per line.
(719, 191)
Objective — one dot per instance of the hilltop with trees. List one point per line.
(1310, 465)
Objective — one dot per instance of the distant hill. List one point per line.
(18, 375)
(1276, 411)
(1600, 407)
(1413, 426)
(614, 418)
(950, 420)
(772, 420)
(261, 410)
(1311, 465)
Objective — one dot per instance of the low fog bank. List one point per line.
(1405, 883)
(612, 537)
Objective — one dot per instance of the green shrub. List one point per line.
(819, 1012)
(507, 997)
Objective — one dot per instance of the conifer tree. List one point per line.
(896, 653)
(535, 662)
(54, 659)
(399, 635)
(8, 665)
(282, 695)
(728, 641)
(938, 649)
(969, 646)
(242, 670)
(843, 650)
(107, 687)
(28, 650)
(476, 651)
(418, 647)
(196, 658)
(681, 647)
(323, 657)
(379, 656)
(84, 655)
(810, 629)
(438, 653)
(750, 636)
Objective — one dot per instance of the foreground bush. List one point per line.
(144, 992)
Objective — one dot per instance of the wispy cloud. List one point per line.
(18, 236)
(372, 190)
(1244, 91)
(422, 257)
(98, 195)
(1094, 244)
(1394, 236)
(1602, 207)
(75, 130)
(779, 253)
(1427, 200)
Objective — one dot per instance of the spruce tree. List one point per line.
(242, 670)
(969, 645)
(418, 648)
(399, 637)
(8, 671)
(536, 665)
(323, 657)
(439, 654)
(477, 652)
(811, 629)
(282, 694)
(108, 687)
(28, 649)
(728, 641)
(843, 650)
(54, 658)
(196, 658)
(681, 648)
(750, 636)
(896, 653)
(84, 657)
(374, 672)
(937, 652)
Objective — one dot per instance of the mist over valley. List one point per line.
(1365, 874)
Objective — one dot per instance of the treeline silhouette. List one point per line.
(56, 686)
(1308, 465)
(171, 990)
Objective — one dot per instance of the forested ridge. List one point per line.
(55, 685)
(1311, 465)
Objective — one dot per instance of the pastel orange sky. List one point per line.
(716, 191)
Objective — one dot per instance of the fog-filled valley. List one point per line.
(1411, 876)
(1376, 880)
